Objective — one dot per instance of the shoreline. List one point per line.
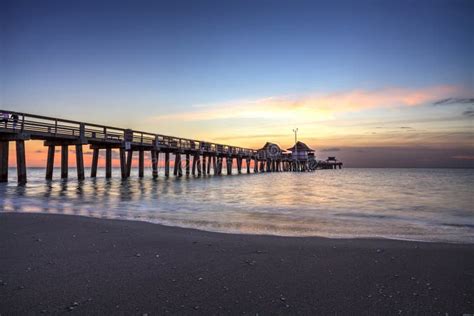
(379, 238)
(55, 263)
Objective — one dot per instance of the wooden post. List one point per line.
(50, 162)
(167, 164)
(21, 161)
(255, 165)
(176, 160)
(64, 161)
(108, 162)
(123, 163)
(214, 164)
(239, 165)
(180, 168)
(129, 162)
(141, 162)
(199, 165)
(229, 165)
(4, 146)
(208, 164)
(194, 165)
(154, 163)
(79, 162)
(95, 161)
(187, 164)
(247, 163)
(220, 163)
(203, 164)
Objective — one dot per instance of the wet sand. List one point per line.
(70, 264)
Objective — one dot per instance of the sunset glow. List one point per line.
(388, 90)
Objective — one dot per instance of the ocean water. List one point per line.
(408, 204)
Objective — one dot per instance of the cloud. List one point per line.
(468, 113)
(449, 101)
(316, 106)
(226, 138)
(330, 149)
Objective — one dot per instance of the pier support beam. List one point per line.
(141, 163)
(123, 163)
(79, 162)
(129, 162)
(203, 164)
(178, 171)
(50, 162)
(208, 164)
(21, 161)
(176, 162)
(239, 165)
(108, 162)
(4, 147)
(188, 164)
(214, 164)
(95, 161)
(255, 165)
(64, 161)
(199, 170)
(154, 163)
(180, 167)
(193, 172)
(167, 164)
(219, 166)
(229, 165)
(247, 164)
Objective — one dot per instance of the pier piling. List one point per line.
(154, 163)
(20, 161)
(4, 147)
(64, 161)
(123, 163)
(108, 162)
(129, 162)
(167, 164)
(188, 164)
(141, 163)
(50, 162)
(79, 162)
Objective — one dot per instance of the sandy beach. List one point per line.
(59, 263)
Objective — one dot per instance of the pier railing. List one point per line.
(44, 127)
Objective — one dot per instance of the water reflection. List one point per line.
(419, 204)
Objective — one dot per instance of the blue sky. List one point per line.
(125, 62)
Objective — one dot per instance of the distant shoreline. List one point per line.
(54, 263)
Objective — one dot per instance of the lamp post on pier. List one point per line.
(296, 138)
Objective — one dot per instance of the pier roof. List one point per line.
(300, 146)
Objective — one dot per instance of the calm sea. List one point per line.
(413, 204)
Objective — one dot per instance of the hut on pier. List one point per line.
(270, 151)
(301, 151)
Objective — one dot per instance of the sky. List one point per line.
(374, 83)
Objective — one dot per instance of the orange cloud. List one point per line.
(317, 106)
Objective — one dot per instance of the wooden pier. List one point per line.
(199, 156)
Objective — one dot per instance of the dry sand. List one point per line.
(70, 264)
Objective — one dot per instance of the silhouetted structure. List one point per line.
(200, 156)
